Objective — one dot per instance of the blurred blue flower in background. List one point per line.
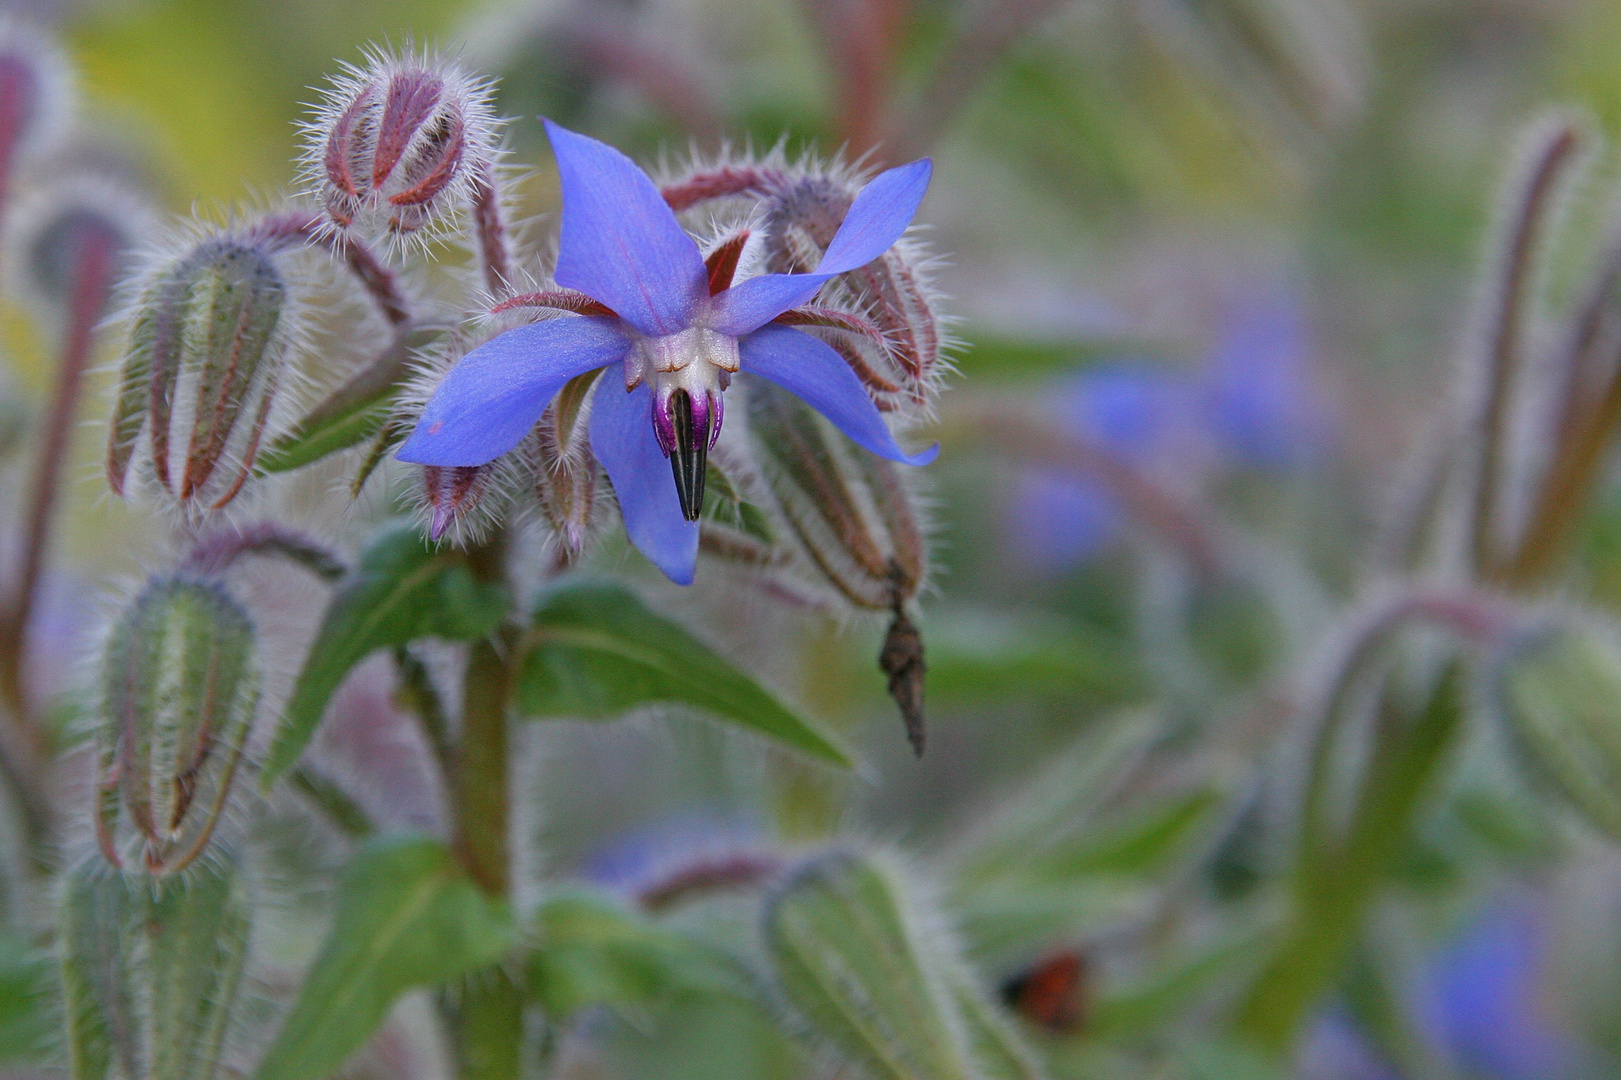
(1250, 404)
(1483, 1000)
(1480, 1003)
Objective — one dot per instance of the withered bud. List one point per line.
(856, 523)
(207, 353)
(180, 685)
(902, 660)
(398, 144)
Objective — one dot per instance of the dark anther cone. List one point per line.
(902, 660)
(690, 458)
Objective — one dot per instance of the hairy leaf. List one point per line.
(407, 917)
(403, 589)
(596, 652)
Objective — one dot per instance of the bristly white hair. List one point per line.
(464, 98)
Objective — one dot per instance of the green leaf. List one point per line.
(589, 950)
(596, 652)
(403, 589)
(353, 413)
(1060, 802)
(998, 1047)
(406, 917)
(864, 963)
(26, 1031)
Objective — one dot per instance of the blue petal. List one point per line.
(620, 242)
(493, 396)
(809, 368)
(876, 219)
(622, 438)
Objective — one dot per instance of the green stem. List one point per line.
(488, 1020)
(1333, 895)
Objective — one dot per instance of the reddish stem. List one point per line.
(490, 229)
(92, 286)
(372, 273)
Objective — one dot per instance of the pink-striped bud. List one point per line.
(208, 348)
(397, 145)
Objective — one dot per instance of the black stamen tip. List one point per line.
(689, 461)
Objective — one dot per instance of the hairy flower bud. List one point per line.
(1560, 697)
(68, 237)
(857, 960)
(36, 93)
(891, 331)
(398, 144)
(151, 969)
(563, 473)
(180, 684)
(856, 522)
(209, 344)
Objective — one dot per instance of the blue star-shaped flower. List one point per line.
(680, 332)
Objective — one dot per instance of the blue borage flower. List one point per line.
(681, 329)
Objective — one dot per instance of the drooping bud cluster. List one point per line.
(211, 334)
(151, 969)
(856, 522)
(180, 685)
(883, 317)
(400, 143)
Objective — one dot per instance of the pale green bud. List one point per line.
(180, 688)
(151, 968)
(862, 964)
(206, 355)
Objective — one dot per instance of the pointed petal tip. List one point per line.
(922, 457)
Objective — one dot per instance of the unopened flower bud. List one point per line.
(207, 353)
(36, 93)
(70, 237)
(563, 472)
(1560, 698)
(857, 523)
(399, 144)
(180, 685)
(865, 966)
(451, 493)
(151, 968)
(894, 339)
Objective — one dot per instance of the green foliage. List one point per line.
(406, 917)
(404, 589)
(26, 991)
(596, 652)
(865, 967)
(151, 968)
(1561, 699)
(589, 950)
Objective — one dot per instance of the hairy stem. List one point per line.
(1332, 897)
(92, 285)
(488, 1020)
(369, 270)
(1511, 302)
(490, 231)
